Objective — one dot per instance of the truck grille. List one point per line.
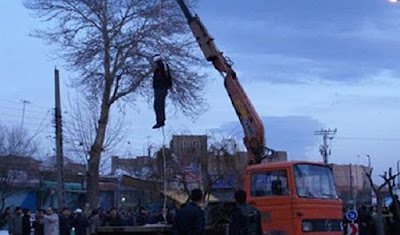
(322, 225)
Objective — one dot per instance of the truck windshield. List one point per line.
(314, 181)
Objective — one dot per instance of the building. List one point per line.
(352, 183)
(31, 183)
(189, 147)
(138, 166)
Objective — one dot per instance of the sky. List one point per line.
(305, 65)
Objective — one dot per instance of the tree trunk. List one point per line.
(380, 227)
(95, 152)
(97, 147)
(94, 161)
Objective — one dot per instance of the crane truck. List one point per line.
(293, 197)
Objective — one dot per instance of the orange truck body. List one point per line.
(286, 213)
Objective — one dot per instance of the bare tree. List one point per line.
(175, 170)
(16, 141)
(6, 189)
(2, 139)
(80, 130)
(109, 45)
(228, 161)
(389, 178)
(377, 190)
(7, 181)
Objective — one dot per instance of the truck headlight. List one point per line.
(306, 226)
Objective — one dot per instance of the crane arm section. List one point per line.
(253, 128)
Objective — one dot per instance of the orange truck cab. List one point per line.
(295, 197)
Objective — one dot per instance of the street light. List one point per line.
(369, 161)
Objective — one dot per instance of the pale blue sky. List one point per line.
(306, 65)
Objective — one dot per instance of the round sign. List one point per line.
(351, 215)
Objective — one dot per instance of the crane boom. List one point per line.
(253, 128)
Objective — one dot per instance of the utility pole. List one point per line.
(398, 177)
(324, 148)
(59, 146)
(24, 103)
(351, 185)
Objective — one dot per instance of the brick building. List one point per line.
(138, 166)
(351, 183)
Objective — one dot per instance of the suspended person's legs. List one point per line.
(159, 106)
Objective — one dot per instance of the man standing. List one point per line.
(15, 222)
(142, 217)
(161, 83)
(65, 221)
(26, 222)
(113, 220)
(94, 222)
(245, 219)
(190, 219)
(79, 222)
(51, 222)
(38, 224)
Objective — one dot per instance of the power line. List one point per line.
(15, 116)
(19, 109)
(19, 102)
(369, 139)
(40, 130)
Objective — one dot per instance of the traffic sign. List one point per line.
(351, 215)
(352, 229)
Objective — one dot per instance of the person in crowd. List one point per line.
(1, 219)
(38, 225)
(190, 219)
(26, 222)
(51, 222)
(94, 222)
(5, 217)
(165, 217)
(15, 222)
(126, 218)
(245, 219)
(113, 219)
(142, 216)
(65, 221)
(364, 220)
(102, 216)
(79, 222)
(394, 209)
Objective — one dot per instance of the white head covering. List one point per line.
(157, 57)
(78, 210)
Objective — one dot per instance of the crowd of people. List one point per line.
(368, 220)
(189, 219)
(369, 223)
(51, 222)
